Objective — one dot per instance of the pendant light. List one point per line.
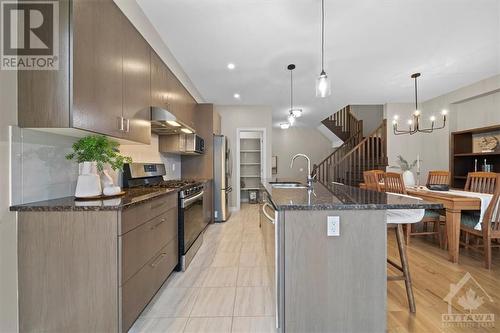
(323, 84)
(293, 112)
(414, 124)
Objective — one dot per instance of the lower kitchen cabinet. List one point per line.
(93, 271)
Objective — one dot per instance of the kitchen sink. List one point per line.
(287, 185)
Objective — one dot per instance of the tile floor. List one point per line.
(225, 289)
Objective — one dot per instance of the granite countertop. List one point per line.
(339, 197)
(133, 196)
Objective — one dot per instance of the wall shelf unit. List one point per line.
(250, 166)
(466, 153)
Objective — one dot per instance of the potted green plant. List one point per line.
(93, 153)
(406, 167)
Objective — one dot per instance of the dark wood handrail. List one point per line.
(382, 126)
(356, 155)
(342, 146)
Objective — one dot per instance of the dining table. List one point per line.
(453, 205)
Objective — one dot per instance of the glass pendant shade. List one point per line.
(291, 119)
(323, 85)
(284, 125)
(297, 113)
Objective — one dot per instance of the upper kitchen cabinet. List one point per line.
(136, 85)
(102, 84)
(168, 93)
(159, 86)
(98, 67)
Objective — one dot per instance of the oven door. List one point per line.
(194, 219)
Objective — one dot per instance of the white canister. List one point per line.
(89, 182)
(408, 178)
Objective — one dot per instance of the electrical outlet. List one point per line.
(333, 226)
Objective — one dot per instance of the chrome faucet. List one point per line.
(309, 176)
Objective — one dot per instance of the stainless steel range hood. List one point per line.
(164, 122)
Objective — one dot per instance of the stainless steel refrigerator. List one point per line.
(222, 178)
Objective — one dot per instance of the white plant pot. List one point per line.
(106, 180)
(408, 178)
(89, 182)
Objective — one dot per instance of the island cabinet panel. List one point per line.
(136, 85)
(335, 284)
(97, 67)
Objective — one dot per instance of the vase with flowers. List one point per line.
(406, 167)
(93, 153)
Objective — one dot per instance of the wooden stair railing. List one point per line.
(321, 170)
(367, 154)
(343, 123)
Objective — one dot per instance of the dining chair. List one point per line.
(490, 228)
(393, 183)
(438, 177)
(482, 182)
(372, 179)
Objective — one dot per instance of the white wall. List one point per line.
(476, 105)
(234, 117)
(287, 143)
(8, 221)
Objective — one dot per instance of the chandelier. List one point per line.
(415, 122)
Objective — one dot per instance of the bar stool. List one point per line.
(396, 218)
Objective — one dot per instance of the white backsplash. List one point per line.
(40, 170)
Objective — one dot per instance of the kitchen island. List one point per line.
(326, 251)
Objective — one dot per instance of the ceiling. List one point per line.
(372, 47)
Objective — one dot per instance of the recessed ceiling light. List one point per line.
(231, 66)
(186, 130)
(237, 96)
(285, 125)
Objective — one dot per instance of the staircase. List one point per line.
(357, 154)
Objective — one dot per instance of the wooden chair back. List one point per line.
(438, 177)
(482, 182)
(491, 219)
(372, 179)
(393, 182)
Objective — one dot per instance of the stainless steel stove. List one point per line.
(193, 214)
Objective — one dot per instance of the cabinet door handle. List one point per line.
(265, 213)
(127, 126)
(157, 224)
(120, 124)
(158, 259)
